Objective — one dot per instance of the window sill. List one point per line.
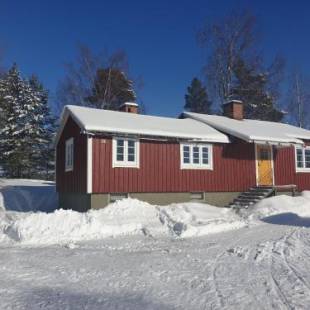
(119, 165)
(68, 169)
(196, 168)
(305, 170)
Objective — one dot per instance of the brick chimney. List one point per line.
(234, 109)
(129, 107)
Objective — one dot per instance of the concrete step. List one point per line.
(251, 197)
(247, 200)
(262, 191)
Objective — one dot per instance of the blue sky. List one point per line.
(158, 36)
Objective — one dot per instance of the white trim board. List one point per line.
(89, 164)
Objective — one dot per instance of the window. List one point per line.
(197, 196)
(125, 153)
(302, 159)
(69, 155)
(264, 154)
(196, 156)
(116, 197)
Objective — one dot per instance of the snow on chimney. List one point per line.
(234, 109)
(129, 107)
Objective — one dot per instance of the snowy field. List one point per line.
(132, 255)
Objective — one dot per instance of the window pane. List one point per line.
(67, 155)
(307, 158)
(131, 151)
(186, 159)
(120, 142)
(205, 155)
(131, 158)
(120, 150)
(71, 155)
(300, 158)
(196, 155)
(131, 143)
(264, 154)
(120, 157)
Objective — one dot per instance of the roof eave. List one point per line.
(92, 130)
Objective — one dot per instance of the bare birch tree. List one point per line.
(226, 42)
(81, 79)
(229, 42)
(299, 99)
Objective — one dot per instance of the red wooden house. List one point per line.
(102, 156)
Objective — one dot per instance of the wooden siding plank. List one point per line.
(160, 169)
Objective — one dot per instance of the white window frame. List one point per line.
(191, 165)
(125, 163)
(303, 148)
(69, 155)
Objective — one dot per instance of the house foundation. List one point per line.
(83, 202)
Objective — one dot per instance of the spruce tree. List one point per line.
(111, 89)
(43, 131)
(16, 103)
(26, 134)
(196, 99)
(250, 87)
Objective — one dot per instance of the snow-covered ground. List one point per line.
(132, 255)
(27, 195)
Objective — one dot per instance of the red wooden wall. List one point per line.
(76, 180)
(233, 169)
(285, 172)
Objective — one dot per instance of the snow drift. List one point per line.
(128, 217)
(299, 205)
(125, 217)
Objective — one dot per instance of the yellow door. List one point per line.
(264, 165)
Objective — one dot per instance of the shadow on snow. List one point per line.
(289, 219)
(55, 298)
(24, 198)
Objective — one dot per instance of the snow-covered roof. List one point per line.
(130, 104)
(254, 130)
(97, 120)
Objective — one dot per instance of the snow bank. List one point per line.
(282, 204)
(126, 217)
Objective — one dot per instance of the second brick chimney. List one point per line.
(234, 109)
(130, 107)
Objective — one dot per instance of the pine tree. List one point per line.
(250, 87)
(111, 89)
(27, 127)
(196, 99)
(17, 105)
(44, 129)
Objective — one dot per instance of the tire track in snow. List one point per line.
(276, 283)
(280, 270)
(278, 289)
(215, 280)
(282, 279)
(290, 267)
